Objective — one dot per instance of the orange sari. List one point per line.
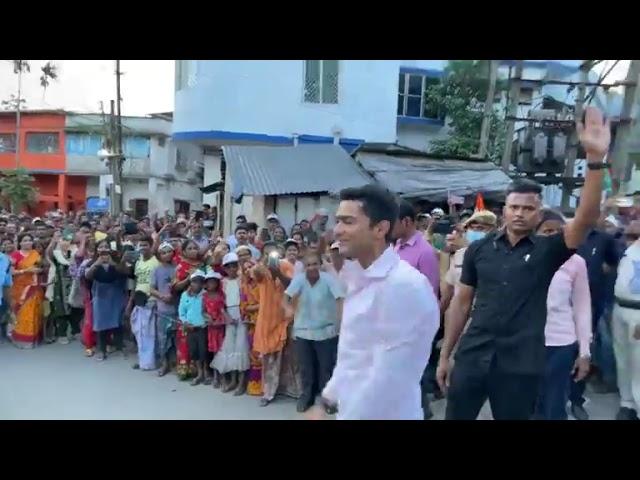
(27, 297)
(250, 296)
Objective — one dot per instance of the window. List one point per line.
(413, 98)
(321, 81)
(526, 96)
(181, 206)
(182, 161)
(140, 207)
(43, 142)
(7, 142)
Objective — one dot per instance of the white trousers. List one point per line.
(627, 351)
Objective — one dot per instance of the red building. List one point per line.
(42, 153)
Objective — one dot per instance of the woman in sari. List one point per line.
(249, 306)
(26, 294)
(188, 263)
(85, 256)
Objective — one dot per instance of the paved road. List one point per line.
(58, 382)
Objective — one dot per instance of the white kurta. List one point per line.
(389, 321)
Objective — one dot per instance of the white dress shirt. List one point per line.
(389, 320)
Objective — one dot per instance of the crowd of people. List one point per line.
(216, 311)
(369, 315)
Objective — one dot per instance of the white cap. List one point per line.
(437, 211)
(213, 274)
(198, 274)
(36, 219)
(335, 246)
(165, 246)
(230, 258)
(322, 212)
(272, 216)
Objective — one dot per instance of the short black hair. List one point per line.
(268, 244)
(252, 227)
(206, 205)
(524, 185)
(548, 214)
(242, 226)
(378, 203)
(86, 224)
(147, 239)
(244, 217)
(406, 210)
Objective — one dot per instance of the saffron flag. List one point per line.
(479, 202)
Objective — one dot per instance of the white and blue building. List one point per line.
(344, 102)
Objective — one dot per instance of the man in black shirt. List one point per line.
(506, 277)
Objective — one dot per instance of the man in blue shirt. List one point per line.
(5, 298)
(315, 327)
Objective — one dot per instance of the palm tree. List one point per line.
(17, 189)
(49, 72)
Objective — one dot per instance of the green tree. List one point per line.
(17, 189)
(462, 94)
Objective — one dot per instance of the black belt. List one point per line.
(633, 304)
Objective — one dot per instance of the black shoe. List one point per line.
(303, 406)
(330, 410)
(627, 414)
(578, 412)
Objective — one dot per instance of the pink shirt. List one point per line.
(389, 320)
(569, 306)
(421, 256)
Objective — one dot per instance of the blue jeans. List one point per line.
(602, 357)
(554, 390)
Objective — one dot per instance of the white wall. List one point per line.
(266, 97)
(419, 137)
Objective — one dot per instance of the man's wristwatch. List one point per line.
(598, 166)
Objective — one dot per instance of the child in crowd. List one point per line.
(143, 328)
(233, 357)
(191, 315)
(166, 307)
(216, 316)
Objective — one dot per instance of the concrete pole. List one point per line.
(514, 100)
(488, 108)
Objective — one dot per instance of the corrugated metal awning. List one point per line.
(433, 179)
(266, 170)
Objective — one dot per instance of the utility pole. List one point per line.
(18, 114)
(574, 143)
(116, 163)
(488, 108)
(514, 101)
(620, 154)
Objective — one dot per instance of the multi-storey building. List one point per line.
(60, 149)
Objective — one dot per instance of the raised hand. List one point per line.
(594, 134)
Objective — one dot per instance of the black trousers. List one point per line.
(197, 342)
(73, 320)
(317, 359)
(103, 338)
(511, 396)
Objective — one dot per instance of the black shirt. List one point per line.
(600, 248)
(510, 309)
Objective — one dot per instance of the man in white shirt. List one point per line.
(625, 325)
(389, 319)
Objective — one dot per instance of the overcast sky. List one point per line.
(147, 85)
